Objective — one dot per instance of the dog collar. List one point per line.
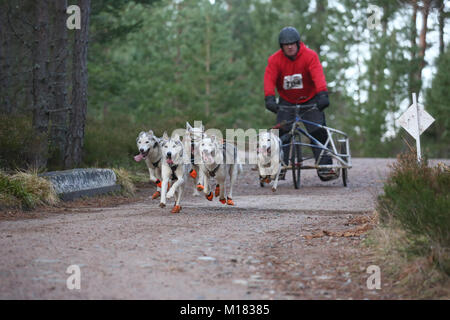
(156, 163)
(213, 173)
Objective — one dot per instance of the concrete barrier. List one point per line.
(76, 183)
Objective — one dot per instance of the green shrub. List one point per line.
(417, 197)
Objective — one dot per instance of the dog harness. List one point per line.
(213, 172)
(173, 176)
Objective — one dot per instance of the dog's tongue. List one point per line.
(138, 158)
(169, 161)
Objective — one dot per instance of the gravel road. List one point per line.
(254, 250)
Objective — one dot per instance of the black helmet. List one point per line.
(289, 35)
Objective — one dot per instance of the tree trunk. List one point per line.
(441, 26)
(413, 84)
(5, 62)
(79, 89)
(58, 64)
(40, 84)
(207, 65)
(321, 6)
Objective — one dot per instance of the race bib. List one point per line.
(294, 81)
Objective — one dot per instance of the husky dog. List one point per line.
(192, 140)
(173, 169)
(150, 151)
(269, 159)
(215, 156)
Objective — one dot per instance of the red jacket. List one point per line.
(296, 81)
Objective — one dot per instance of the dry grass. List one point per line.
(125, 181)
(414, 275)
(26, 190)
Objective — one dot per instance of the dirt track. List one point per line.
(255, 250)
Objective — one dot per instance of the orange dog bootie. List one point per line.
(193, 174)
(156, 195)
(230, 202)
(200, 187)
(209, 196)
(176, 209)
(217, 191)
(158, 183)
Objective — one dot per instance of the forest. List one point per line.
(78, 97)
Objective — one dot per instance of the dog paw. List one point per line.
(230, 202)
(223, 200)
(176, 209)
(170, 193)
(156, 195)
(162, 205)
(209, 196)
(274, 189)
(217, 191)
(200, 187)
(193, 174)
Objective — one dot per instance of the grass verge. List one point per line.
(412, 239)
(26, 190)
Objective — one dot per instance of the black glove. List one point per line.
(271, 104)
(322, 100)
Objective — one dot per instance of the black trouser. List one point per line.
(313, 115)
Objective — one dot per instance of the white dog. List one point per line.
(269, 159)
(192, 140)
(216, 158)
(172, 169)
(150, 151)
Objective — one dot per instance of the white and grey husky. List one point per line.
(269, 158)
(150, 151)
(192, 140)
(173, 169)
(219, 160)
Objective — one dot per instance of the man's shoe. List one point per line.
(327, 174)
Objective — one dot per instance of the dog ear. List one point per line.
(188, 126)
(150, 132)
(213, 138)
(175, 137)
(165, 136)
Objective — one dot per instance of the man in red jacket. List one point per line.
(295, 71)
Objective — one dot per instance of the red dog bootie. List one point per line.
(230, 202)
(193, 174)
(209, 196)
(158, 183)
(176, 209)
(223, 200)
(217, 191)
(156, 195)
